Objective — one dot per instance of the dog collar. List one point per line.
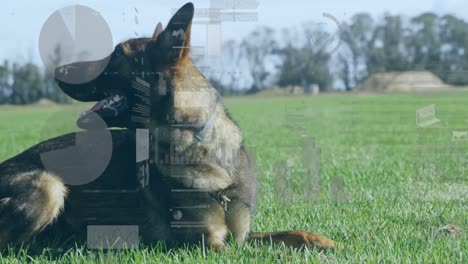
(200, 135)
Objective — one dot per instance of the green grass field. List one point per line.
(386, 189)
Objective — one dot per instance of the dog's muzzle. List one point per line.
(114, 110)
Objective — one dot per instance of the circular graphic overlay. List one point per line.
(78, 39)
(334, 40)
(327, 35)
(77, 158)
(177, 215)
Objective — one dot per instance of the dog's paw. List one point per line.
(316, 241)
(222, 248)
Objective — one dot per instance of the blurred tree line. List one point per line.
(27, 83)
(425, 42)
(303, 56)
(307, 55)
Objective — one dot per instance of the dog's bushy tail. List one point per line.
(296, 239)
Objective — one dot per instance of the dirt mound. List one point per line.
(281, 91)
(45, 101)
(411, 81)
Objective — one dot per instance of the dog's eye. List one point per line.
(118, 51)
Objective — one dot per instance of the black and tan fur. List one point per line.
(32, 198)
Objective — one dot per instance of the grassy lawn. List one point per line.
(386, 189)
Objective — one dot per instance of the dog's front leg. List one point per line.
(209, 178)
(216, 229)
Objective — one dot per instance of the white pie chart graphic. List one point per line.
(74, 34)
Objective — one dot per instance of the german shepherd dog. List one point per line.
(35, 198)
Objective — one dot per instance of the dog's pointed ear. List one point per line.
(158, 30)
(175, 39)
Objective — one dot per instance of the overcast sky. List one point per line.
(22, 20)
